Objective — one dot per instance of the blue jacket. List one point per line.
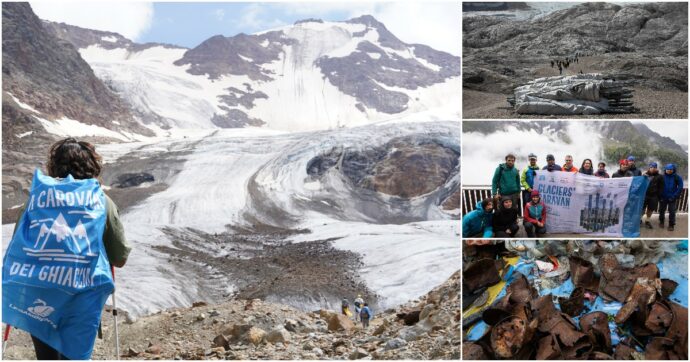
(673, 185)
(477, 221)
(366, 311)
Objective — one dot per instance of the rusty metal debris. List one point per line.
(523, 324)
(482, 273)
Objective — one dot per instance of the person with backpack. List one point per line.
(527, 177)
(506, 181)
(359, 302)
(56, 270)
(365, 315)
(478, 222)
(345, 307)
(505, 220)
(673, 186)
(534, 216)
(654, 192)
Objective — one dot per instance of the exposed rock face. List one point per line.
(46, 74)
(49, 75)
(405, 167)
(645, 42)
(241, 54)
(83, 38)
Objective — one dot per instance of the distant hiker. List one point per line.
(534, 216)
(505, 220)
(365, 315)
(359, 302)
(80, 234)
(478, 222)
(631, 166)
(581, 71)
(623, 170)
(601, 171)
(654, 193)
(568, 166)
(552, 64)
(527, 177)
(551, 164)
(345, 307)
(673, 186)
(560, 69)
(586, 167)
(506, 181)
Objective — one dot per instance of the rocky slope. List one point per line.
(428, 328)
(644, 42)
(45, 81)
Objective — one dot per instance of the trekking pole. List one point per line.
(5, 338)
(117, 335)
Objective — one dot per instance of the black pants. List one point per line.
(671, 204)
(513, 228)
(531, 229)
(46, 352)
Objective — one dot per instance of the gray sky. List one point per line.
(676, 130)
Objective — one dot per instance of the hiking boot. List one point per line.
(670, 228)
(648, 225)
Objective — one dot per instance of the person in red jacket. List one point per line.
(534, 216)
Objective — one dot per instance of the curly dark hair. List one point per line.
(76, 158)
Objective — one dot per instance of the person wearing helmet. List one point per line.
(654, 191)
(673, 186)
(359, 302)
(534, 216)
(527, 177)
(623, 171)
(631, 166)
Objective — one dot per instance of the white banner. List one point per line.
(579, 203)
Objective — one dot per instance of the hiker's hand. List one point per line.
(507, 231)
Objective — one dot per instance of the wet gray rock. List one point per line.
(133, 179)
(395, 343)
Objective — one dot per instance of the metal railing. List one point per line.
(471, 195)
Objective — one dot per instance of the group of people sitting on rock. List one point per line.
(362, 313)
(508, 184)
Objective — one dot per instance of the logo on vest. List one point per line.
(39, 311)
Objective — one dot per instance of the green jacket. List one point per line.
(506, 180)
(113, 236)
(527, 179)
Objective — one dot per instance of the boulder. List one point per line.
(340, 323)
(291, 325)
(326, 314)
(359, 353)
(154, 349)
(220, 341)
(395, 343)
(278, 334)
(426, 311)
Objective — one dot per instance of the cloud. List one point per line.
(255, 17)
(219, 14)
(130, 19)
(436, 24)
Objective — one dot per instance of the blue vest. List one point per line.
(55, 274)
